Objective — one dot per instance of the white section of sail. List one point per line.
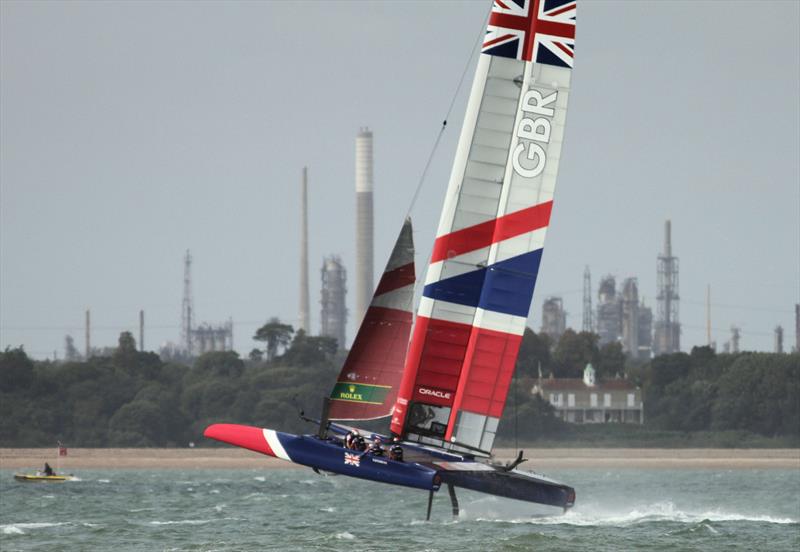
(528, 180)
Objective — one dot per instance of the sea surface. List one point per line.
(205, 510)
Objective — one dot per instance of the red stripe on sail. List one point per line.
(395, 279)
(488, 367)
(492, 231)
(434, 362)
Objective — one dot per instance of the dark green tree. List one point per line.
(16, 369)
(534, 351)
(573, 352)
(612, 361)
(276, 335)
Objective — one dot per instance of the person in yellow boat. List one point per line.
(48, 471)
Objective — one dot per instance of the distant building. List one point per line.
(554, 319)
(587, 401)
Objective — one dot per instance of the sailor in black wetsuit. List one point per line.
(396, 452)
(376, 448)
(359, 443)
(48, 471)
(350, 439)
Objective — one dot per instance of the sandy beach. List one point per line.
(540, 459)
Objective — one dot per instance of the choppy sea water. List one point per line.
(205, 510)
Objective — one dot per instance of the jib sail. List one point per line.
(367, 385)
(479, 285)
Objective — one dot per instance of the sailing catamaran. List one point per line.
(445, 388)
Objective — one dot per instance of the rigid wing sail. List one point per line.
(446, 392)
(367, 384)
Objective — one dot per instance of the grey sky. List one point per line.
(130, 132)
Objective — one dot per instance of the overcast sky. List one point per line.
(130, 132)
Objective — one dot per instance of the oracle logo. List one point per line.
(434, 393)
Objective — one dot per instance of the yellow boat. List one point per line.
(37, 478)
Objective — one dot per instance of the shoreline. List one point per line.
(539, 459)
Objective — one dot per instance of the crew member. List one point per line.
(359, 443)
(376, 448)
(48, 471)
(350, 439)
(396, 452)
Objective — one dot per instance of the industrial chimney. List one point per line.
(304, 321)
(364, 223)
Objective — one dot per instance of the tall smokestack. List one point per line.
(364, 223)
(305, 323)
(141, 330)
(667, 239)
(88, 333)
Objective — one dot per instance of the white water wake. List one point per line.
(598, 517)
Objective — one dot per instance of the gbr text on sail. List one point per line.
(533, 130)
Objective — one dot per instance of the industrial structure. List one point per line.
(88, 334)
(187, 306)
(333, 314)
(554, 319)
(778, 339)
(645, 331)
(797, 328)
(736, 334)
(206, 337)
(304, 320)
(667, 327)
(630, 317)
(623, 317)
(609, 311)
(364, 225)
(587, 325)
(141, 330)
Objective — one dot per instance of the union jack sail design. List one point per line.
(486, 256)
(367, 384)
(532, 30)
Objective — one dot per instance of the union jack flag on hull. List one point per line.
(532, 30)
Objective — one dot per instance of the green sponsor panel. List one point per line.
(359, 392)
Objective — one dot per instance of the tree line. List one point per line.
(130, 398)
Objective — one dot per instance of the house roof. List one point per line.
(577, 384)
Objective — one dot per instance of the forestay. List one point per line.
(486, 256)
(367, 385)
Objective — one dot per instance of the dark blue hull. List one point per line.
(311, 451)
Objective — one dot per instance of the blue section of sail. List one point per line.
(505, 287)
(509, 284)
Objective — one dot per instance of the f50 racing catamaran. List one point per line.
(446, 387)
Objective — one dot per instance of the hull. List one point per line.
(425, 468)
(514, 484)
(327, 455)
(30, 478)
